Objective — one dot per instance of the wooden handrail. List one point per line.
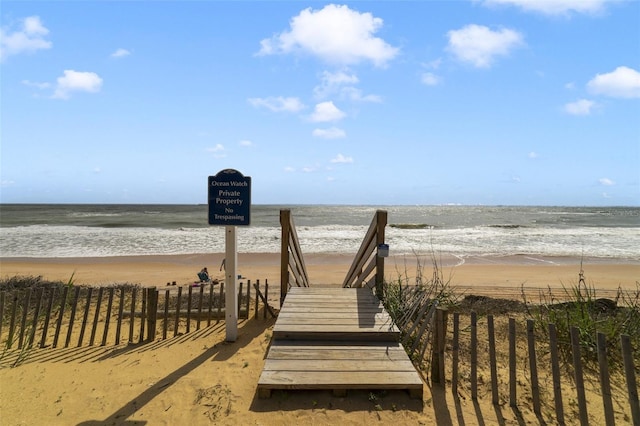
(292, 268)
(363, 264)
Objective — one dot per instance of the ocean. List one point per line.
(63, 230)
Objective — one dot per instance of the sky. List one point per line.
(479, 102)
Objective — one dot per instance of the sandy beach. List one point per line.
(198, 378)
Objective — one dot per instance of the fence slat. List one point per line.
(220, 302)
(152, 313)
(474, 356)
(210, 304)
(96, 317)
(179, 302)
(533, 366)
(512, 363)
(120, 312)
(555, 372)
(255, 311)
(107, 320)
(605, 384)
(25, 311)
(72, 319)
(492, 360)
(63, 302)
(189, 309)
(36, 313)
(2, 296)
(143, 315)
(85, 317)
(166, 314)
(12, 321)
(577, 369)
(200, 306)
(630, 376)
(45, 327)
(455, 352)
(134, 292)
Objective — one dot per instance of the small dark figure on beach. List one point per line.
(204, 275)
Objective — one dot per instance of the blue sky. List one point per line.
(522, 102)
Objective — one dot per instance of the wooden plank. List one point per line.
(355, 380)
(338, 365)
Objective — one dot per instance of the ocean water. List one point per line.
(122, 230)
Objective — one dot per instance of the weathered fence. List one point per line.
(544, 381)
(293, 270)
(87, 316)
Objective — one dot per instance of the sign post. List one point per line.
(230, 206)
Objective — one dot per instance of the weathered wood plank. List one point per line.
(341, 366)
(331, 380)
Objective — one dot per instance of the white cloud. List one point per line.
(289, 169)
(570, 86)
(532, 155)
(218, 151)
(580, 107)
(245, 143)
(341, 84)
(430, 79)
(77, 81)
(623, 82)
(479, 45)
(326, 111)
(553, 7)
(606, 182)
(330, 133)
(335, 34)
(36, 84)
(120, 53)
(278, 104)
(341, 159)
(29, 38)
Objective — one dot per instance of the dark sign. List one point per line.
(229, 198)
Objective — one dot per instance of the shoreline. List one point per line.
(486, 275)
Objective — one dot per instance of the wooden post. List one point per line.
(630, 376)
(455, 350)
(152, 313)
(239, 299)
(120, 311)
(285, 225)
(45, 327)
(177, 324)
(134, 291)
(512, 363)
(108, 317)
(25, 311)
(555, 371)
(381, 223)
(36, 314)
(63, 302)
(72, 319)
(436, 369)
(492, 360)
(474, 356)
(166, 314)
(220, 302)
(577, 369)
(85, 317)
(605, 384)
(231, 302)
(533, 366)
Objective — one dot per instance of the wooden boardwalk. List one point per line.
(336, 339)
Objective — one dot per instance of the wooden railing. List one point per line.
(367, 260)
(292, 268)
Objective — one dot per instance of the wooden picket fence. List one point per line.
(470, 348)
(87, 316)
